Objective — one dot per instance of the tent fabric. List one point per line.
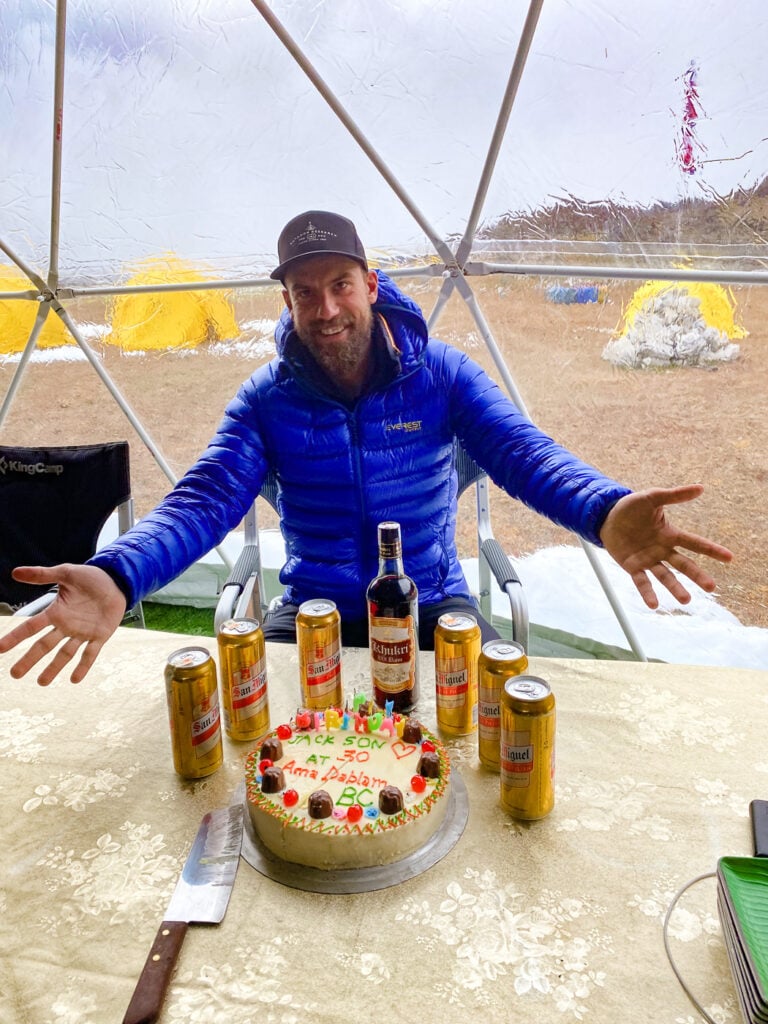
(463, 137)
(190, 129)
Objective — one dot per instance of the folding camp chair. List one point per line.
(244, 594)
(54, 502)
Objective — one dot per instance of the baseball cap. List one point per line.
(316, 232)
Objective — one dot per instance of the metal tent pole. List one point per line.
(58, 126)
(49, 291)
(33, 276)
(301, 59)
(40, 318)
(445, 293)
(452, 264)
(479, 269)
(92, 358)
(521, 56)
(468, 295)
(465, 290)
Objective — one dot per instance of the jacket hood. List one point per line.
(403, 316)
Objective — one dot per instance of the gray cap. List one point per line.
(314, 233)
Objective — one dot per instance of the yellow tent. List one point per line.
(18, 315)
(676, 324)
(716, 304)
(169, 320)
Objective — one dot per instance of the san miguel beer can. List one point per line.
(193, 709)
(318, 637)
(457, 649)
(499, 661)
(527, 747)
(243, 665)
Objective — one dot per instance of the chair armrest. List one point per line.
(510, 584)
(242, 588)
(37, 605)
(499, 564)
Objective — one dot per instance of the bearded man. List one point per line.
(358, 416)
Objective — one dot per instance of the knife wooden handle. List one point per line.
(148, 996)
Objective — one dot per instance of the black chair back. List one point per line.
(54, 502)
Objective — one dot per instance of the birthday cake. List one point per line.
(334, 790)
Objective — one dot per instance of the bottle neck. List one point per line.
(390, 564)
(390, 550)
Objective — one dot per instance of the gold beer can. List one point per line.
(499, 661)
(457, 649)
(318, 637)
(192, 693)
(243, 665)
(527, 747)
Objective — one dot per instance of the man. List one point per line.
(358, 416)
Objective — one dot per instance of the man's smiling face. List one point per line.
(330, 299)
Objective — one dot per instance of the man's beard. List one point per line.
(341, 360)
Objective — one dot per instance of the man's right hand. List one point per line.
(87, 610)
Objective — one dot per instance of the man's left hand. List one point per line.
(637, 535)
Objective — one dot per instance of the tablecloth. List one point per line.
(556, 920)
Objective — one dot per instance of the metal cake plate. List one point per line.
(349, 880)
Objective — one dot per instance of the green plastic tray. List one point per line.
(744, 883)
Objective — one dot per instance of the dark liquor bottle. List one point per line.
(393, 627)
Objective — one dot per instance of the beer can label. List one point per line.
(249, 691)
(489, 714)
(517, 758)
(322, 671)
(206, 724)
(452, 678)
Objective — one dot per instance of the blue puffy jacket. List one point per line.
(342, 470)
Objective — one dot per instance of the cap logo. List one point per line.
(312, 234)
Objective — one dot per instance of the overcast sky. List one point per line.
(188, 127)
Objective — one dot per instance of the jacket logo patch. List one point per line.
(409, 427)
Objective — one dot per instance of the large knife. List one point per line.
(201, 897)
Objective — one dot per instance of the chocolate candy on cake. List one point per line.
(320, 804)
(271, 749)
(390, 800)
(272, 779)
(412, 731)
(429, 764)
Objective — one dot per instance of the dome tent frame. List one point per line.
(454, 265)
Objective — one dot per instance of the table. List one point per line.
(558, 920)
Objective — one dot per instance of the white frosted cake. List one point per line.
(344, 790)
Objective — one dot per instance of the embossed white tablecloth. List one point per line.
(560, 920)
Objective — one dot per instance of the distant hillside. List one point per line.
(740, 218)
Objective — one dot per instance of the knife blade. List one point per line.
(201, 897)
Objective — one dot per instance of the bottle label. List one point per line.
(393, 653)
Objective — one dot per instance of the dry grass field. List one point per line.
(650, 427)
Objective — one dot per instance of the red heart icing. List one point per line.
(401, 750)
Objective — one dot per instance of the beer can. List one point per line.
(499, 661)
(243, 666)
(318, 637)
(457, 649)
(527, 747)
(193, 710)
